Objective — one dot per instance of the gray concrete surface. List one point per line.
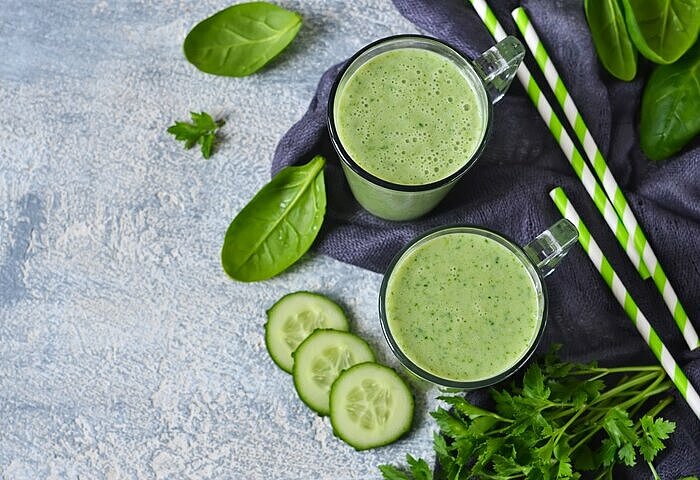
(125, 351)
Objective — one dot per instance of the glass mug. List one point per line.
(465, 333)
(488, 76)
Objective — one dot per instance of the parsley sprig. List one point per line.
(561, 421)
(201, 131)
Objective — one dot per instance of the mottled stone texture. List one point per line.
(125, 352)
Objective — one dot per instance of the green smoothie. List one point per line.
(409, 116)
(462, 306)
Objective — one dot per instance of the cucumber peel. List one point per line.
(320, 359)
(293, 317)
(371, 406)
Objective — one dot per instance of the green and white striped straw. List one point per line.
(551, 119)
(589, 182)
(650, 336)
(638, 240)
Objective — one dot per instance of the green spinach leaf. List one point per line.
(662, 30)
(278, 225)
(670, 104)
(612, 43)
(241, 39)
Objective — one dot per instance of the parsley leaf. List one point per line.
(452, 426)
(202, 130)
(464, 451)
(462, 406)
(440, 445)
(619, 426)
(653, 432)
(627, 455)
(390, 472)
(533, 383)
(607, 452)
(562, 419)
(505, 465)
(420, 470)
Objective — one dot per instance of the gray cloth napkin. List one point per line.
(507, 191)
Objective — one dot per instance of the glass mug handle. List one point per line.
(497, 66)
(550, 246)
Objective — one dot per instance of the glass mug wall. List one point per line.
(464, 307)
(409, 116)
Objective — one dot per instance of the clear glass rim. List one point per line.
(444, 382)
(345, 156)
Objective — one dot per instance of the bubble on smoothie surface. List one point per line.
(409, 116)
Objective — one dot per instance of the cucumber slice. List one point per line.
(293, 318)
(371, 406)
(319, 360)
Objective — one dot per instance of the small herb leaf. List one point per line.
(390, 472)
(505, 465)
(449, 424)
(607, 452)
(533, 383)
(440, 445)
(419, 468)
(619, 426)
(241, 39)
(207, 142)
(201, 131)
(278, 225)
(466, 408)
(627, 454)
(203, 121)
(653, 432)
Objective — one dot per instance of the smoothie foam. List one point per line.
(462, 307)
(409, 116)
